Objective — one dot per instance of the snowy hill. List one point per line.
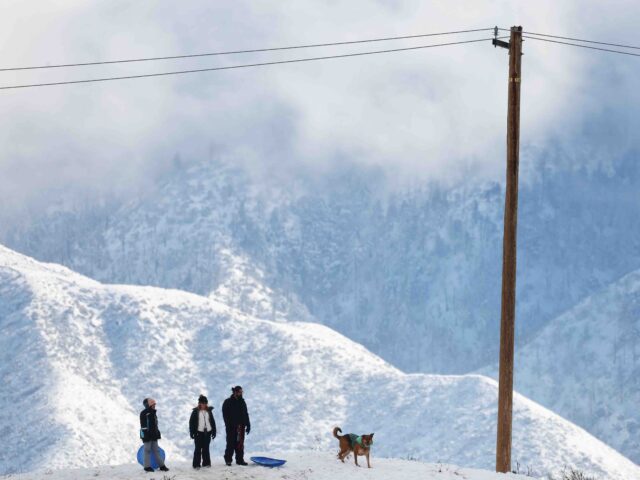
(300, 466)
(78, 356)
(413, 275)
(585, 364)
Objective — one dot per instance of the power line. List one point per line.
(298, 60)
(255, 50)
(595, 42)
(583, 46)
(582, 40)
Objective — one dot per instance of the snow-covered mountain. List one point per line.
(412, 275)
(585, 364)
(78, 356)
(418, 268)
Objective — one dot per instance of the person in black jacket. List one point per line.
(202, 428)
(150, 435)
(236, 422)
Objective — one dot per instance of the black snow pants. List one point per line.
(235, 443)
(202, 441)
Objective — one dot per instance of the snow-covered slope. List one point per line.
(301, 465)
(377, 267)
(413, 275)
(585, 365)
(78, 357)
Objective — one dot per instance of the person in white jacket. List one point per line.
(202, 428)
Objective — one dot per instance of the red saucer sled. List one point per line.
(268, 462)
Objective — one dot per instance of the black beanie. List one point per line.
(203, 399)
(145, 403)
(236, 388)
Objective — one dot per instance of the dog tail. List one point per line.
(335, 432)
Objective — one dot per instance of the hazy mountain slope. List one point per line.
(413, 275)
(585, 365)
(102, 348)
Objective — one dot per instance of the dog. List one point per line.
(358, 444)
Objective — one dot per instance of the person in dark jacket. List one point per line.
(202, 428)
(150, 434)
(236, 422)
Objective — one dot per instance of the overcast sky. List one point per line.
(425, 114)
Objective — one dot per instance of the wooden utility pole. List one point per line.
(508, 311)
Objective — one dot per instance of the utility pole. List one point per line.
(508, 310)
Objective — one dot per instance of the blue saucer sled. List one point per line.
(154, 460)
(268, 462)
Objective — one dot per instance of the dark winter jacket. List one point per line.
(193, 422)
(149, 425)
(234, 412)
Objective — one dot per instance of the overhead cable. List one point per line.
(582, 46)
(583, 40)
(231, 67)
(234, 52)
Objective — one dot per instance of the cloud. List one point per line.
(426, 114)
